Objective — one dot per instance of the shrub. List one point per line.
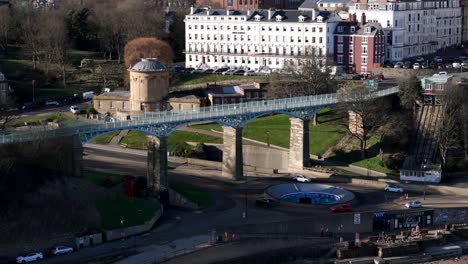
(393, 161)
(92, 111)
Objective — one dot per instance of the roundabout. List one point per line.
(307, 193)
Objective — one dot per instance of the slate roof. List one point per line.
(148, 65)
(116, 94)
(287, 15)
(309, 4)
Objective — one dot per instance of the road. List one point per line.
(181, 225)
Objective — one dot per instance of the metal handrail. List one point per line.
(202, 114)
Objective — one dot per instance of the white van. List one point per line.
(88, 95)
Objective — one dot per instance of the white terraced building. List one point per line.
(255, 40)
(413, 28)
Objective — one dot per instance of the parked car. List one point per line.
(188, 70)
(60, 250)
(178, 68)
(229, 72)
(438, 59)
(88, 95)
(265, 202)
(301, 178)
(448, 66)
(420, 59)
(208, 71)
(442, 73)
(393, 188)
(398, 65)
(456, 65)
(416, 66)
(220, 70)
(464, 65)
(238, 72)
(197, 71)
(29, 106)
(74, 109)
(30, 257)
(407, 65)
(51, 103)
(341, 208)
(250, 73)
(413, 204)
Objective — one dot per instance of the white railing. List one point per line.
(202, 114)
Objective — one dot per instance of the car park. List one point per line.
(413, 204)
(51, 103)
(74, 109)
(30, 257)
(416, 66)
(265, 202)
(60, 250)
(229, 72)
(301, 178)
(393, 188)
(341, 208)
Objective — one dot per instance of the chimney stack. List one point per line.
(269, 14)
(248, 12)
(191, 10)
(363, 19)
(314, 14)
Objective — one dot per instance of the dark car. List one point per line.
(29, 106)
(341, 208)
(188, 70)
(220, 70)
(265, 202)
(178, 68)
(208, 71)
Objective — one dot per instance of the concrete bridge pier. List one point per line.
(233, 167)
(157, 179)
(299, 144)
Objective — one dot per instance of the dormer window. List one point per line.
(368, 29)
(301, 18)
(258, 17)
(320, 19)
(340, 29)
(353, 29)
(279, 18)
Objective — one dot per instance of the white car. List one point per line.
(398, 65)
(30, 257)
(301, 178)
(443, 73)
(413, 204)
(59, 250)
(393, 188)
(74, 109)
(416, 66)
(51, 103)
(250, 73)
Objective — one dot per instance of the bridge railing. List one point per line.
(204, 113)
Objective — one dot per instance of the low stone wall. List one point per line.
(115, 234)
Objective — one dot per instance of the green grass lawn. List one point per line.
(276, 130)
(103, 179)
(189, 79)
(197, 196)
(106, 138)
(137, 139)
(371, 161)
(117, 207)
(43, 118)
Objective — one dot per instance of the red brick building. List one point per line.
(250, 4)
(359, 47)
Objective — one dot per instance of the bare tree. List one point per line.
(5, 24)
(112, 32)
(448, 128)
(304, 75)
(367, 113)
(30, 28)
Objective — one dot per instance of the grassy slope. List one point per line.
(106, 138)
(134, 211)
(199, 197)
(42, 118)
(136, 139)
(99, 178)
(331, 129)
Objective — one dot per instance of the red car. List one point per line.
(341, 208)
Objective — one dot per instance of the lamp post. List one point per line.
(268, 137)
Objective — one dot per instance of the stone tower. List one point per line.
(149, 84)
